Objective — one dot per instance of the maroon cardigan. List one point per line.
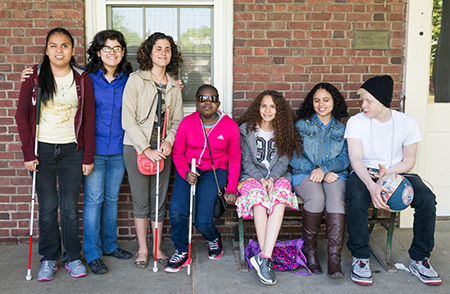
(84, 118)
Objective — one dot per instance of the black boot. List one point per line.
(335, 236)
(311, 225)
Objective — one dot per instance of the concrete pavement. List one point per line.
(222, 276)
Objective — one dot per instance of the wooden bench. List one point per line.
(383, 256)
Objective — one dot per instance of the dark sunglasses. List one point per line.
(203, 98)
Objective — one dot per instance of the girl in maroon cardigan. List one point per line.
(66, 146)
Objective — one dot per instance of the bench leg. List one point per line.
(239, 248)
(384, 257)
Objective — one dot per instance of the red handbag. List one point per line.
(145, 165)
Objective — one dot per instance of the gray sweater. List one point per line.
(252, 168)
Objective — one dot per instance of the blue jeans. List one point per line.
(358, 203)
(101, 196)
(205, 196)
(59, 164)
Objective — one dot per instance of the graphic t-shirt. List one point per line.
(56, 124)
(265, 146)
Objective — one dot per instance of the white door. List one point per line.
(433, 158)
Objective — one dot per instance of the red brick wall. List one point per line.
(291, 45)
(287, 45)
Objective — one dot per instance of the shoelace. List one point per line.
(177, 257)
(213, 245)
(269, 263)
(75, 262)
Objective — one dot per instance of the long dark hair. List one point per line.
(145, 61)
(286, 137)
(95, 62)
(339, 109)
(46, 79)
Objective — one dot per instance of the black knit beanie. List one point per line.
(381, 87)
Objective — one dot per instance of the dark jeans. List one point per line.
(62, 164)
(206, 194)
(358, 203)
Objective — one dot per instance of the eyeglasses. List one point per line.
(108, 49)
(204, 98)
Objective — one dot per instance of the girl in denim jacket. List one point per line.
(320, 173)
(268, 140)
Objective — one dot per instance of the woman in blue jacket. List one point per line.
(320, 173)
(108, 69)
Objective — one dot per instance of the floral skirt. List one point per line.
(251, 193)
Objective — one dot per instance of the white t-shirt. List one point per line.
(382, 143)
(265, 146)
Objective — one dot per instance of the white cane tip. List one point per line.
(29, 277)
(155, 269)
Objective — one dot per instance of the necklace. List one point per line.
(159, 83)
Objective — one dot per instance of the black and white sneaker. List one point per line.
(361, 273)
(264, 268)
(178, 260)
(425, 272)
(215, 249)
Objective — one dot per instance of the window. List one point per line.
(190, 27)
(195, 27)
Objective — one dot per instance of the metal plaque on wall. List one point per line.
(372, 39)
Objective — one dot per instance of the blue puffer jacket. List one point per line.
(326, 149)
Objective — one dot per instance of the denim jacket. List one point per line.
(325, 149)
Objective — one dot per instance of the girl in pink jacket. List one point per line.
(190, 142)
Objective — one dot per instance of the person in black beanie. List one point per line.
(382, 141)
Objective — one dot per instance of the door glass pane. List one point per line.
(195, 29)
(195, 72)
(161, 19)
(440, 59)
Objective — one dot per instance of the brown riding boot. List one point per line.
(335, 236)
(311, 225)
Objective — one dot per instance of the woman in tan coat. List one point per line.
(158, 59)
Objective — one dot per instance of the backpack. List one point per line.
(286, 255)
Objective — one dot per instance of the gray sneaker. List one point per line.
(361, 273)
(76, 268)
(425, 272)
(47, 271)
(264, 268)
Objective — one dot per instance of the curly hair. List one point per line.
(286, 137)
(339, 109)
(98, 42)
(144, 51)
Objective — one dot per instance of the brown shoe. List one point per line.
(311, 225)
(335, 236)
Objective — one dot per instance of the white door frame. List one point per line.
(429, 164)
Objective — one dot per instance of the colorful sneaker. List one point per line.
(76, 268)
(47, 271)
(361, 273)
(215, 249)
(120, 254)
(264, 268)
(425, 272)
(98, 267)
(178, 260)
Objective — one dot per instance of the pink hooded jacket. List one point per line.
(224, 139)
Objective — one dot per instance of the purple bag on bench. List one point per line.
(286, 256)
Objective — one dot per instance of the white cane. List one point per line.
(158, 110)
(191, 204)
(33, 189)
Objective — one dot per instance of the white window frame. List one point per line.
(222, 41)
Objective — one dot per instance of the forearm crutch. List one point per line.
(158, 125)
(191, 204)
(33, 189)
